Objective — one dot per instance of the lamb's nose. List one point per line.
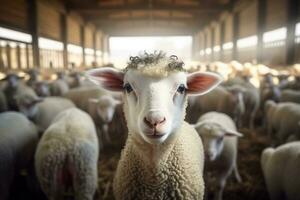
(154, 120)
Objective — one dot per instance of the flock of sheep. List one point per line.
(52, 131)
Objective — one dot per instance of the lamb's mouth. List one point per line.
(154, 134)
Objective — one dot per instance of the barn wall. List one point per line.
(88, 36)
(247, 28)
(73, 24)
(48, 20)
(13, 14)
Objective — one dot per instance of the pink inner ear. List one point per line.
(200, 83)
(110, 80)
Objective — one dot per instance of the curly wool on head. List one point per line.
(154, 60)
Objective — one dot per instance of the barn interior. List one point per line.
(48, 45)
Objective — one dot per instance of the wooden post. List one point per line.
(235, 35)
(33, 28)
(27, 56)
(18, 52)
(222, 40)
(64, 38)
(8, 56)
(261, 27)
(291, 27)
(82, 42)
(212, 57)
(2, 67)
(95, 46)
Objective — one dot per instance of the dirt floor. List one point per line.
(250, 148)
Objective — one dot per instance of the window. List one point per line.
(247, 42)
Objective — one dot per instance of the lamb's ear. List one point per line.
(109, 78)
(231, 133)
(198, 124)
(199, 83)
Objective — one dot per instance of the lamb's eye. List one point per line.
(127, 87)
(181, 89)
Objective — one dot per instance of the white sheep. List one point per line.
(163, 156)
(219, 136)
(220, 100)
(281, 171)
(67, 156)
(100, 104)
(290, 96)
(282, 120)
(42, 111)
(18, 140)
(3, 102)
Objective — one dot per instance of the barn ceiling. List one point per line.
(149, 17)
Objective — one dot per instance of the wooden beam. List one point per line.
(235, 36)
(212, 57)
(8, 56)
(2, 67)
(261, 27)
(90, 9)
(64, 39)
(27, 56)
(82, 42)
(18, 54)
(95, 46)
(292, 6)
(33, 29)
(222, 40)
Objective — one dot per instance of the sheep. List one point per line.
(41, 88)
(67, 156)
(251, 100)
(220, 100)
(18, 140)
(163, 155)
(12, 87)
(3, 102)
(99, 104)
(219, 136)
(282, 118)
(33, 77)
(280, 167)
(59, 87)
(42, 111)
(290, 96)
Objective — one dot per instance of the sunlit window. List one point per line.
(202, 52)
(247, 42)
(297, 31)
(275, 35)
(208, 51)
(45, 43)
(228, 46)
(217, 48)
(15, 35)
(74, 48)
(123, 47)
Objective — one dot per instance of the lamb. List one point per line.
(290, 96)
(219, 136)
(251, 100)
(59, 87)
(67, 156)
(42, 111)
(282, 118)
(18, 139)
(100, 104)
(163, 155)
(280, 167)
(220, 100)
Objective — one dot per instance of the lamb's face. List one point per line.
(154, 102)
(155, 105)
(213, 136)
(106, 106)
